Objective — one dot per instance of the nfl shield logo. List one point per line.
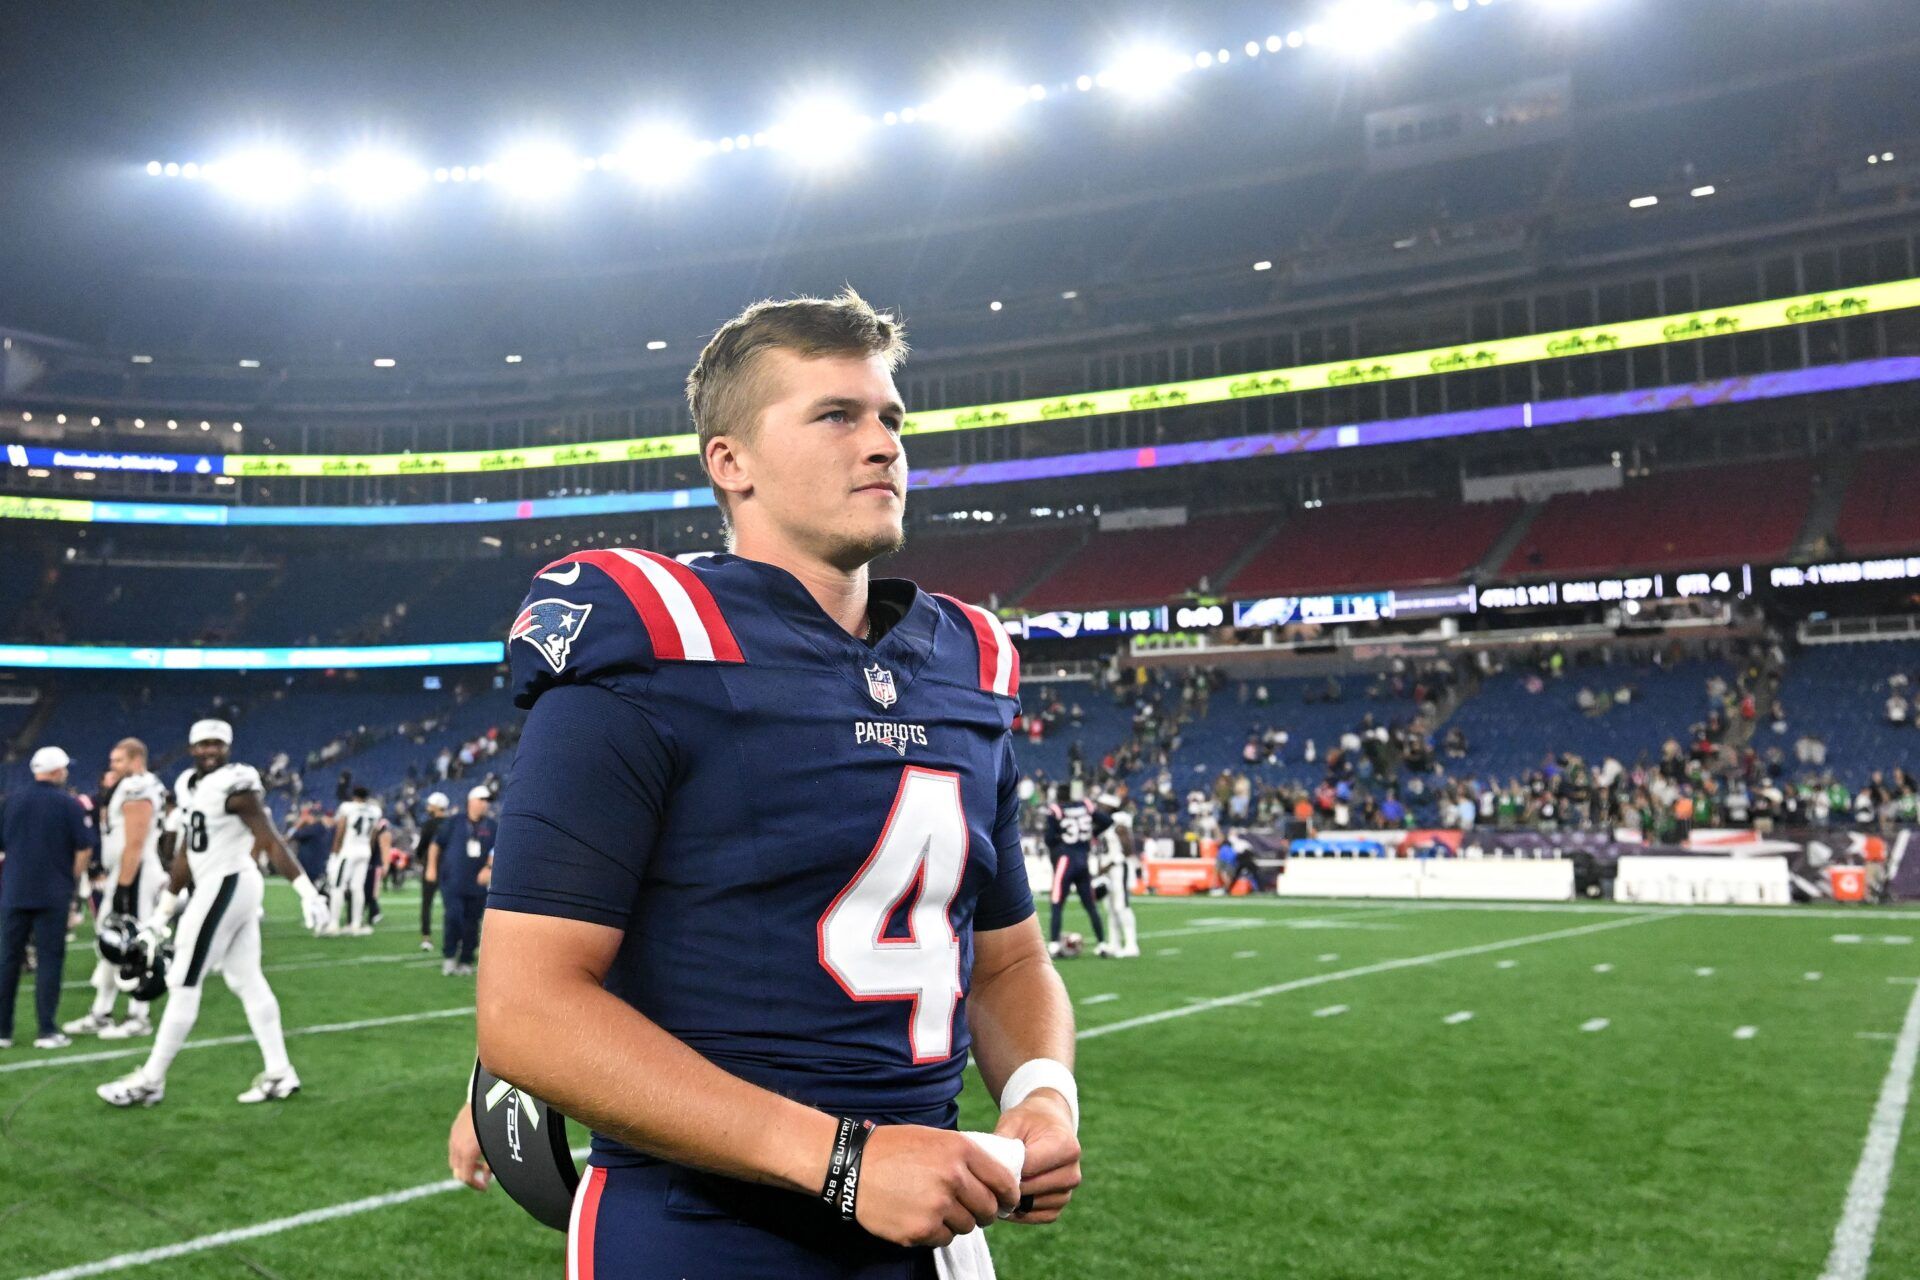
(880, 685)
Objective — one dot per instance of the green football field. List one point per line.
(1273, 1089)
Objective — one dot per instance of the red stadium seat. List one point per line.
(1699, 517)
(1375, 544)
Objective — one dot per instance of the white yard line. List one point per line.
(1331, 1011)
(1343, 921)
(166, 1253)
(1596, 1024)
(322, 1029)
(219, 1239)
(1384, 966)
(1455, 1019)
(1867, 1193)
(294, 965)
(1103, 998)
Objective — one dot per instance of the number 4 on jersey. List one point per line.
(922, 854)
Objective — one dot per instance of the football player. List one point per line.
(758, 886)
(130, 851)
(1114, 869)
(358, 828)
(1072, 826)
(224, 821)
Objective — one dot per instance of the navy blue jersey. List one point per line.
(797, 832)
(1072, 827)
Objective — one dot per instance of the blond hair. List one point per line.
(723, 392)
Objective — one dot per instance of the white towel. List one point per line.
(967, 1257)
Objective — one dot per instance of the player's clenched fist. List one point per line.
(1045, 1125)
(922, 1186)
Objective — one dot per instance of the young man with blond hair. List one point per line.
(130, 852)
(758, 885)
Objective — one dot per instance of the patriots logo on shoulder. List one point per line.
(551, 626)
(880, 685)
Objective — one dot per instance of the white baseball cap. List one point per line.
(48, 760)
(210, 731)
(480, 793)
(437, 800)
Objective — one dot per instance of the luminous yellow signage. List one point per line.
(73, 509)
(1499, 353)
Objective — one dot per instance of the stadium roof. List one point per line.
(89, 104)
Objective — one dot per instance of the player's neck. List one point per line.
(840, 593)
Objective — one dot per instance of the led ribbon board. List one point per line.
(1499, 353)
(318, 658)
(1529, 415)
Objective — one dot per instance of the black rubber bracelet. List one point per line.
(842, 1186)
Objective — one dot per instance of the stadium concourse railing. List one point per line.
(1529, 415)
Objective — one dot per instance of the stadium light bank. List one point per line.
(815, 133)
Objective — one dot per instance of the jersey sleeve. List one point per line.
(1009, 899)
(244, 778)
(583, 809)
(585, 615)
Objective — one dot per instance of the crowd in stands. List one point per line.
(1736, 763)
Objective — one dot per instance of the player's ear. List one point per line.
(728, 466)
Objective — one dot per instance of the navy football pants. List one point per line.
(460, 914)
(1074, 871)
(662, 1222)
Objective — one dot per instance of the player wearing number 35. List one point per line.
(758, 878)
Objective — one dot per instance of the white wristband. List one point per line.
(1042, 1073)
(304, 889)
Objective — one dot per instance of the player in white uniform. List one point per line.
(130, 851)
(224, 820)
(358, 828)
(1113, 880)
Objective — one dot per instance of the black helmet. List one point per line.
(143, 975)
(118, 938)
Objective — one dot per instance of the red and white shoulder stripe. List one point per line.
(999, 660)
(682, 619)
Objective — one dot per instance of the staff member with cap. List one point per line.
(460, 859)
(47, 842)
(436, 818)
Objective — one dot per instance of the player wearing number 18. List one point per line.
(758, 879)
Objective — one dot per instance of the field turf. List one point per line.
(1274, 1089)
